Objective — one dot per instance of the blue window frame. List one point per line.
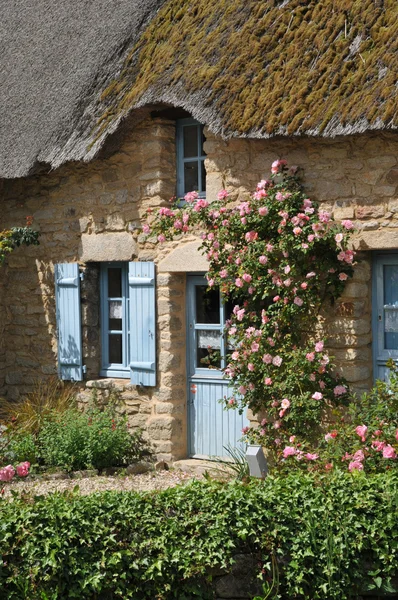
(191, 174)
(115, 327)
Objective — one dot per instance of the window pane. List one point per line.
(116, 315)
(191, 182)
(115, 283)
(208, 346)
(190, 141)
(391, 307)
(203, 176)
(207, 305)
(115, 349)
(203, 153)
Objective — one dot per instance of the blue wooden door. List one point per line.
(385, 313)
(210, 428)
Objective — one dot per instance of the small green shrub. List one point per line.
(328, 537)
(20, 447)
(96, 438)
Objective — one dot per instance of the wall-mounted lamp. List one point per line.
(256, 460)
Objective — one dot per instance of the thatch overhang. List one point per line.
(246, 68)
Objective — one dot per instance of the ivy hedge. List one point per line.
(329, 536)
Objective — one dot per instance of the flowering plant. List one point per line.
(16, 236)
(277, 257)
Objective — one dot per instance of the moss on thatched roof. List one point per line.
(252, 67)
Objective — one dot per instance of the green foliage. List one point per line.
(316, 537)
(15, 237)
(277, 259)
(96, 438)
(19, 447)
(236, 463)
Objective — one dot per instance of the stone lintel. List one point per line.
(185, 259)
(107, 247)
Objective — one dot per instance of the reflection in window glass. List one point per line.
(115, 349)
(208, 349)
(391, 307)
(207, 305)
(114, 283)
(191, 181)
(190, 141)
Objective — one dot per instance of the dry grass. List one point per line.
(28, 413)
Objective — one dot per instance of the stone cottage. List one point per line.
(112, 107)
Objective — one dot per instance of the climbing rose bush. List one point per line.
(277, 257)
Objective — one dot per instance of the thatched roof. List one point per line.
(73, 71)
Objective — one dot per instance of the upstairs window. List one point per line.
(191, 174)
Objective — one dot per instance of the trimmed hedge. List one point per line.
(329, 536)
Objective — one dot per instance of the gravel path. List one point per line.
(139, 483)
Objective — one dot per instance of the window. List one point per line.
(115, 328)
(191, 174)
(128, 321)
(385, 312)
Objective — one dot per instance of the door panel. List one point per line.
(211, 428)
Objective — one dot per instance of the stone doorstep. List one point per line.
(198, 466)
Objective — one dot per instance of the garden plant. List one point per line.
(278, 258)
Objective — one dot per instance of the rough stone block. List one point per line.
(107, 247)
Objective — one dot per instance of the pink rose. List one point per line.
(161, 238)
(235, 355)
(223, 273)
(263, 260)
(240, 314)
(269, 247)
(242, 390)
(268, 381)
(297, 230)
(361, 431)
(7, 473)
(191, 197)
(238, 282)
(146, 229)
(347, 224)
(250, 367)
(298, 301)
(339, 237)
(289, 451)
(276, 298)
(304, 285)
(263, 211)
(277, 166)
(277, 361)
(311, 237)
(310, 356)
(311, 274)
(343, 276)
(389, 452)
(355, 466)
(287, 269)
(251, 236)
(277, 425)
(292, 439)
(245, 430)
(247, 277)
(285, 404)
(319, 346)
(255, 347)
(23, 469)
(267, 359)
(222, 194)
(317, 396)
(339, 390)
(310, 456)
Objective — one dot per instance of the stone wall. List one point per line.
(93, 212)
(353, 178)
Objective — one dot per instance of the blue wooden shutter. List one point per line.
(67, 295)
(142, 323)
